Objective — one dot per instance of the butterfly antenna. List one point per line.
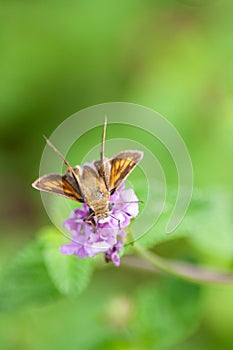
(61, 156)
(103, 140)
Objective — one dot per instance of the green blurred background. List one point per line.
(58, 57)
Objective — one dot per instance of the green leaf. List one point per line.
(157, 234)
(207, 224)
(69, 274)
(212, 228)
(26, 280)
(40, 273)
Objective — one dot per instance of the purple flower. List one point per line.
(108, 237)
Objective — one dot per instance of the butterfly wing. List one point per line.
(120, 167)
(62, 185)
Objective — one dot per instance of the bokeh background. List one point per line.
(58, 57)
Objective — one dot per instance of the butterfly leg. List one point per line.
(119, 222)
(90, 219)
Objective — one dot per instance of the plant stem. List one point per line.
(190, 272)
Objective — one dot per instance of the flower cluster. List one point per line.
(108, 237)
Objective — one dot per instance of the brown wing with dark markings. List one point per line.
(121, 166)
(62, 185)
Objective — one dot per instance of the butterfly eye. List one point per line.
(91, 211)
(110, 206)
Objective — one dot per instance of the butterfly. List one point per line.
(94, 183)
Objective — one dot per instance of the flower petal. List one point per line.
(69, 249)
(108, 237)
(96, 248)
